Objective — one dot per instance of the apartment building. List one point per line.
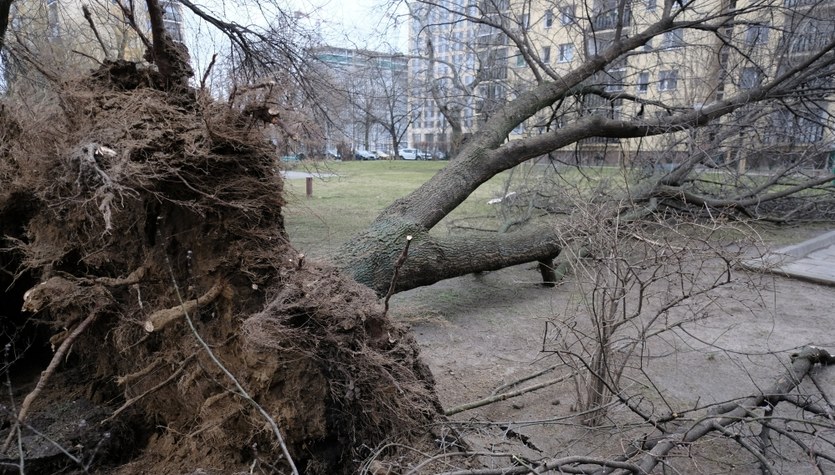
(364, 96)
(474, 67)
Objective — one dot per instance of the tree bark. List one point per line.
(546, 269)
(370, 258)
(171, 59)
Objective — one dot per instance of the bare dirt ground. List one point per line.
(479, 332)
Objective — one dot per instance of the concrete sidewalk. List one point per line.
(812, 260)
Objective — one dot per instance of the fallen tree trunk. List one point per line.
(371, 261)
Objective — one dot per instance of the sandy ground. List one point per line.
(478, 332)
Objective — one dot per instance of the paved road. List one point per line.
(813, 260)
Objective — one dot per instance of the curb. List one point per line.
(782, 260)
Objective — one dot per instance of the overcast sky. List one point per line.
(369, 24)
(372, 24)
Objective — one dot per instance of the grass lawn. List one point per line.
(346, 203)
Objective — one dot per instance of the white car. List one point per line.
(413, 154)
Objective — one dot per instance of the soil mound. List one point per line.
(134, 220)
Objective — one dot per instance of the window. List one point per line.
(520, 61)
(567, 15)
(525, 21)
(597, 44)
(566, 53)
(651, 4)
(607, 16)
(546, 54)
(811, 36)
(788, 126)
(673, 39)
(643, 82)
(171, 11)
(615, 79)
(52, 19)
(750, 78)
(667, 80)
(172, 19)
(549, 18)
(756, 35)
(617, 109)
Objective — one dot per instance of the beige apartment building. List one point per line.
(476, 68)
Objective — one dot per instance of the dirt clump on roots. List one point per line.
(141, 214)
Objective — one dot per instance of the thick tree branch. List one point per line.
(489, 152)
(693, 198)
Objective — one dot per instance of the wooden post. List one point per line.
(549, 276)
(309, 186)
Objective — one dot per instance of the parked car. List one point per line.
(292, 158)
(414, 154)
(361, 154)
(381, 155)
(332, 154)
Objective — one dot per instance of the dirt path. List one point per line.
(480, 331)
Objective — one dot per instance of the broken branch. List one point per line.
(802, 362)
(396, 274)
(159, 319)
(159, 386)
(505, 396)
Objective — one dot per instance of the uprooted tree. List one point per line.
(143, 240)
(142, 226)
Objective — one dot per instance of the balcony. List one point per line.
(810, 43)
(609, 20)
(597, 141)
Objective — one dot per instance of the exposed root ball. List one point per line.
(139, 206)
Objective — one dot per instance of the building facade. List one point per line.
(478, 54)
(364, 98)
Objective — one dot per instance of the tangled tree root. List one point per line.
(128, 181)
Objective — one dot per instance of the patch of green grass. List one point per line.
(345, 204)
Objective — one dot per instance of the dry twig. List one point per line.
(396, 274)
(505, 396)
